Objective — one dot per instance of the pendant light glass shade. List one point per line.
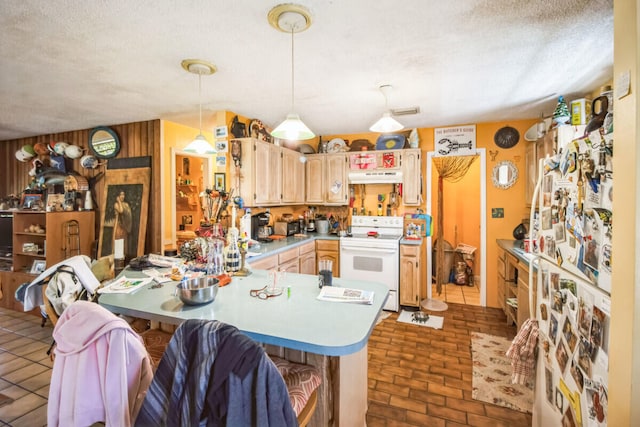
(292, 19)
(199, 144)
(292, 128)
(386, 124)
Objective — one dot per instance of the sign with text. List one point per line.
(455, 141)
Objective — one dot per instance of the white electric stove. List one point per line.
(372, 252)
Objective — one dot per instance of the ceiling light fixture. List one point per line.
(386, 123)
(200, 144)
(291, 18)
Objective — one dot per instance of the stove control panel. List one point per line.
(377, 221)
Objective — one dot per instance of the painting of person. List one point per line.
(122, 219)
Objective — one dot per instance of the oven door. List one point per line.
(373, 264)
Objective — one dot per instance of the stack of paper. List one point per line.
(336, 294)
(124, 285)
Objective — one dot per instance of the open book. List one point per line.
(337, 294)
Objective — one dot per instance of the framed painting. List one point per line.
(123, 212)
(31, 201)
(220, 181)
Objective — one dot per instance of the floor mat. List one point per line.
(434, 322)
(492, 374)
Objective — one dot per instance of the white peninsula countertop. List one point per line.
(300, 322)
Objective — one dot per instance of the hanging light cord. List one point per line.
(200, 98)
(292, 69)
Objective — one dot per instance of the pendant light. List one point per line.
(200, 144)
(386, 123)
(291, 18)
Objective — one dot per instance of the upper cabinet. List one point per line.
(327, 179)
(411, 177)
(293, 175)
(535, 151)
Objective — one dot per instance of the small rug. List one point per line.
(492, 374)
(383, 315)
(434, 322)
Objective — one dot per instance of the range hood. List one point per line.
(375, 177)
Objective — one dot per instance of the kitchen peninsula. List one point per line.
(337, 332)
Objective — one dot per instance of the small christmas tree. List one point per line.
(561, 113)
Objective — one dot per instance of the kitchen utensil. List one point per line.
(323, 226)
(197, 290)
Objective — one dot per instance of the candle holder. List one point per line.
(243, 272)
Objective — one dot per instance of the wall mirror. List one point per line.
(505, 174)
(104, 142)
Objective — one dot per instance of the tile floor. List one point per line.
(461, 294)
(418, 376)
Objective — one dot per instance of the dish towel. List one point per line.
(522, 353)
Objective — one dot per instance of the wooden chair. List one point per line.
(302, 383)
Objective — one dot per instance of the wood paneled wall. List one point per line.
(136, 139)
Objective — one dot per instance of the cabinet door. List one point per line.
(523, 302)
(411, 177)
(336, 186)
(268, 263)
(314, 181)
(307, 263)
(290, 266)
(530, 160)
(292, 177)
(409, 275)
(268, 182)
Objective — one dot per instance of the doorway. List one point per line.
(474, 293)
(191, 174)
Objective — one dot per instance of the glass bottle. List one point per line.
(232, 254)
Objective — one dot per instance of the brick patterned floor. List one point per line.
(420, 376)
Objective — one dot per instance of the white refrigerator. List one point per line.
(571, 238)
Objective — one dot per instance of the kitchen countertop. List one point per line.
(277, 246)
(514, 247)
(301, 322)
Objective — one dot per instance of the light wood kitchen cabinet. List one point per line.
(293, 177)
(267, 263)
(288, 260)
(535, 151)
(314, 181)
(411, 177)
(259, 178)
(335, 178)
(513, 287)
(326, 179)
(307, 259)
(329, 250)
(412, 274)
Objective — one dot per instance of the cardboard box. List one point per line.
(580, 111)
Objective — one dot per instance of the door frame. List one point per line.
(482, 152)
(208, 170)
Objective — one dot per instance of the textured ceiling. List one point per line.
(68, 65)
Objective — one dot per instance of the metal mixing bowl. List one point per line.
(198, 290)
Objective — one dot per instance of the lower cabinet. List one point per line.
(412, 274)
(300, 259)
(329, 250)
(513, 287)
(307, 260)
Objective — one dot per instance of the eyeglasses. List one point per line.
(264, 293)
